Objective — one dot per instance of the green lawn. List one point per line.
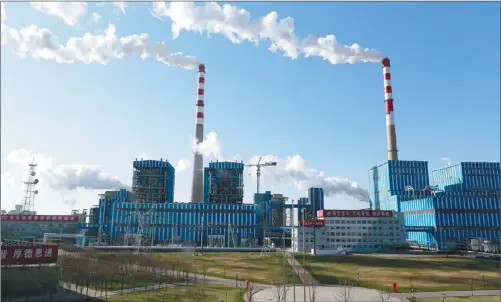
(462, 299)
(425, 273)
(198, 293)
(255, 267)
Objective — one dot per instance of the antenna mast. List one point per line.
(30, 192)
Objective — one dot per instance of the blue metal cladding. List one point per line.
(171, 174)
(387, 182)
(465, 206)
(185, 219)
(316, 198)
(449, 178)
(302, 202)
(226, 165)
(206, 185)
(468, 176)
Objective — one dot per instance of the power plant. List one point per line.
(460, 204)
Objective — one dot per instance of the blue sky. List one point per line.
(445, 77)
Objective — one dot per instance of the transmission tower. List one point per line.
(30, 192)
(145, 231)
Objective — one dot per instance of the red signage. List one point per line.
(353, 213)
(309, 223)
(29, 254)
(38, 218)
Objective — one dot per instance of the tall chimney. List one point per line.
(390, 121)
(198, 169)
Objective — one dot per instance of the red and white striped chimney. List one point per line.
(197, 189)
(391, 134)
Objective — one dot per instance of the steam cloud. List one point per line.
(67, 177)
(237, 26)
(292, 169)
(41, 43)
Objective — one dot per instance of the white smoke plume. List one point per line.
(68, 12)
(67, 177)
(41, 43)
(210, 147)
(293, 169)
(447, 161)
(182, 165)
(237, 25)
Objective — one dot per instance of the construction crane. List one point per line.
(258, 166)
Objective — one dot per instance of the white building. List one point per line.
(353, 231)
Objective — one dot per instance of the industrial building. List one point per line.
(27, 227)
(153, 181)
(462, 203)
(351, 231)
(223, 183)
(175, 223)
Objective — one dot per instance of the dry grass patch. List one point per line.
(255, 267)
(424, 273)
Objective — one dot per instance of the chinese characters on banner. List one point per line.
(309, 223)
(38, 218)
(29, 254)
(353, 213)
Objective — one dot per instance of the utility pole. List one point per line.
(304, 256)
(283, 252)
(315, 236)
(293, 254)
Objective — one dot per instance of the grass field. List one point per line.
(102, 272)
(198, 293)
(424, 273)
(462, 299)
(266, 268)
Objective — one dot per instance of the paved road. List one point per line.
(455, 293)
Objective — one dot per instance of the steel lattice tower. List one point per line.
(30, 192)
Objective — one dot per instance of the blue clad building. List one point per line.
(153, 181)
(316, 199)
(223, 183)
(462, 204)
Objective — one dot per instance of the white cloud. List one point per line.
(237, 25)
(182, 165)
(7, 180)
(40, 43)
(121, 6)
(68, 12)
(96, 17)
(66, 177)
(292, 169)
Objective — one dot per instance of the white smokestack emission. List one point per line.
(237, 25)
(293, 169)
(42, 44)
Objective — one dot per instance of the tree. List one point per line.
(277, 290)
(344, 292)
(313, 290)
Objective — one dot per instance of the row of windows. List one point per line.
(361, 240)
(363, 234)
(363, 228)
(354, 221)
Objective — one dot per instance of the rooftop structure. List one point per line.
(153, 181)
(224, 183)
